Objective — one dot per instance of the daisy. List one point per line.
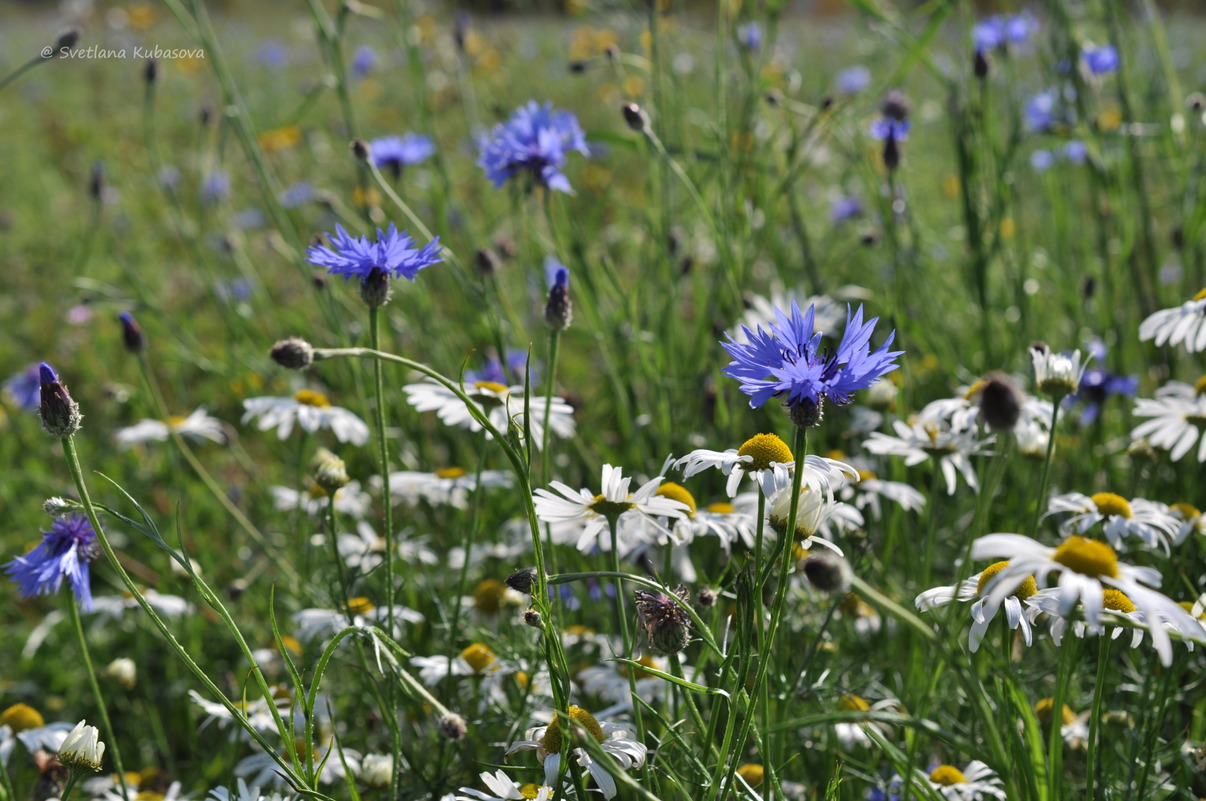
(503, 406)
(813, 511)
(866, 494)
(723, 520)
(82, 747)
(767, 459)
(1056, 374)
(983, 611)
(951, 448)
(257, 712)
(966, 409)
(1178, 414)
(350, 500)
(503, 788)
(853, 733)
(1074, 728)
(261, 768)
(1181, 324)
(448, 486)
(477, 659)
(1085, 569)
(116, 606)
(975, 782)
(763, 311)
(360, 612)
(1138, 518)
(1190, 520)
(197, 426)
(244, 793)
(609, 682)
(365, 550)
(309, 409)
(587, 514)
(22, 723)
(613, 738)
(1117, 609)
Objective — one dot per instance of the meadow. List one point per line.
(641, 401)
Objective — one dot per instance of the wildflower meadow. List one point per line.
(603, 399)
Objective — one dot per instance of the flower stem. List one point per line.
(545, 455)
(1041, 500)
(78, 626)
(383, 458)
(1103, 653)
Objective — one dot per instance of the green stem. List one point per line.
(78, 626)
(1041, 500)
(550, 385)
(1103, 653)
(383, 458)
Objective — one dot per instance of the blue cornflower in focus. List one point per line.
(536, 140)
(750, 35)
(788, 360)
(395, 152)
(853, 80)
(64, 552)
(1101, 60)
(24, 389)
(357, 257)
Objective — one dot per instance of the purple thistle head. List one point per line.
(536, 140)
(357, 257)
(64, 552)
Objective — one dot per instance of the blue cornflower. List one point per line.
(845, 208)
(64, 552)
(1041, 160)
(215, 186)
(1101, 60)
(750, 35)
(998, 31)
(511, 373)
(396, 152)
(853, 80)
(363, 61)
(885, 128)
(788, 360)
(273, 55)
(25, 388)
(299, 194)
(1098, 383)
(1040, 110)
(1076, 151)
(356, 256)
(536, 140)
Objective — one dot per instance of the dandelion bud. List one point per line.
(60, 414)
(131, 334)
(706, 598)
(67, 41)
(981, 65)
(82, 748)
(331, 473)
(828, 572)
(123, 672)
(559, 310)
(452, 726)
(666, 624)
(293, 353)
(1000, 404)
(533, 618)
(360, 149)
(150, 73)
(487, 261)
(635, 117)
(522, 580)
(375, 290)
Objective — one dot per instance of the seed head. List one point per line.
(666, 624)
(522, 580)
(452, 726)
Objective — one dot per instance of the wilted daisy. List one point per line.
(503, 788)
(985, 609)
(1184, 324)
(787, 360)
(350, 500)
(615, 739)
(535, 141)
(448, 486)
(197, 426)
(503, 406)
(1120, 519)
(950, 448)
(65, 552)
(1085, 570)
(308, 409)
(1177, 416)
(768, 460)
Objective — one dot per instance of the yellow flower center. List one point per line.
(175, 421)
(647, 661)
(1111, 505)
(852, 703)
(974, 390)
(487, 598)
(291, 645)
(765, 449)
(529, 791)
(1090, 557)
(866, 475)
(552, 735)
(450, 472)
(148, 795)
(752, 773)
(308, 397)
(578, 630)
(1186, 511)
(853, 605)
(314, 492)
(947, 775)
(490, 386)
(1199, 386)
(606, 508)
(677, 492)
(20, 717)
(1021, 592)
(720, 508)
(360, 605)
(836, 455)
(522, 679)
(478, 656)
(1116, 600)
(1042, 710)
(1201, 295)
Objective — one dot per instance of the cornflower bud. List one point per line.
(131, 334)
(635, 117)
(60, 414)
(558, 310)
(522, 580)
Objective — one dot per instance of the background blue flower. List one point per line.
(536, 140)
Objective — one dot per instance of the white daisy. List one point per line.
(585, 514)
(866, 620)
(963, 410)
(1116, 609)
(448, 486)
(866, 493)
(975, 782)
(245, 792)
(477, 659)
(261, 768)
(197, 426)
(24, 724)
(116, 606)
(505, 789)
(853, 733)
(985, 608)
(134, 793)
(365, 550)
(502, 406)
(257, 712)
(1190, 521)
(1056, 374)
(613, 738)
(1178, 415)
(309, 409)
(361, 613)
(767, 459)
(609, 682)
(723, 520)
(1086, 569)
(350, 500)
(1181, 324)
(1074, 728)
(1120, 519)
(951, 448)
(763, 311)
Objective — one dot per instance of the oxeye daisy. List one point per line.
(609, 682)
(64, 553)
(477, 659)
(350, 500)
(334, 764)
(868, 492)
(853, 733)
(1177, 418)
(360, 612)
(164, 604)
(1119, 518)
(503, 406)
(974, 782)
(950, 448)
(1056, 374)
(1074, 729)
(723, 520)
(1184, 324)
(308, 409)
(503, 788)
(763, 311)
(257, 712)
(197, 426)
(535, 141)
(814, 508)
(769, 461)
(1085, 569)
(787, 360)
(1117, 611)
(447, 486)
(22, 723)
(392, 254)
(975, 404)
(1190, 521)
(365, 549)
(552, 741)
(985, 609)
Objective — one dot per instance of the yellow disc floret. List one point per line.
(1042, 710)
(1090, 557)
(1199, 386)
(852, 703)
(602, 506)
(752, 773)
(764, 449)
(478, 657)
(450, 472)
(1201, 295)
(720, 508)
(1116, 600)
(308, 397)
(490, 386)
(551, 741)
(360, 605)
(20, 717)
(1021, 592)
(529, 791)
(1111, 505)
(947, 775)
(1187, 511)
(677, 492)
(488, 596)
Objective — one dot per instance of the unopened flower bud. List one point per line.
(375, 290)
(559, 310)
(56, 506)
(460, 30)
(895, 106)
(522, 580)
(293, 353)
(533, 618)
(60, 414)
(452, 726)
(82, 748)
(706, 598)
(828, 572)
(635, 117)
(96, 181)
(360, 149)
(891, 151)
(150, 73)
(667, 625)
(981, 66)
(123, 672)
(131, 334)
(67, 41)
(1000, 404)
(330, 472)
(487, 261)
